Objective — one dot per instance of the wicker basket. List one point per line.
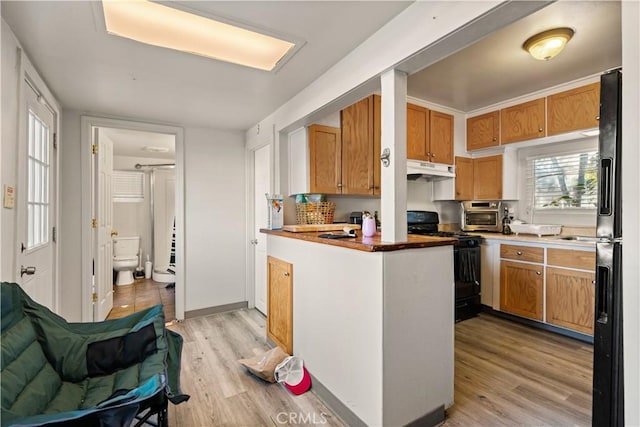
(315, 213)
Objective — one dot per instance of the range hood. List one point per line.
(428, 171)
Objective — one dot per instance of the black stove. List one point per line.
(466, 261)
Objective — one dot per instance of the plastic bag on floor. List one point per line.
(263, 365)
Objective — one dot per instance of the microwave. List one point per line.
(482, 216)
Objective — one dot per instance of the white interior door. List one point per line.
(261, 185)
(36, 203)
(103, 213)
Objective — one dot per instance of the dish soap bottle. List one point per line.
(506, 227)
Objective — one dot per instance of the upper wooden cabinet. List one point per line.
(360, 129)
(483, 131)
(487, 178)
(523, 121)
(441, 137)
(417, 132)
(573, 109)
(325, 159)
(464, 178)
(478, 179)
(429, 135)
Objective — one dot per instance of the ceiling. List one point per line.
(135, 143)
(497, 68)
(91, 71)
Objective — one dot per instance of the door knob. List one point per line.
(27, 270)
(114, 233)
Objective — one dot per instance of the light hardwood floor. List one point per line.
(222, 391)
(506, 374)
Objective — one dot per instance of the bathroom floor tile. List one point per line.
(144, 293)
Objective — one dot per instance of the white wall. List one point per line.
(631, 207)
(215, 218)
(9, 149)
(70, 236)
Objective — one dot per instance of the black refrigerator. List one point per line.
(608, 384)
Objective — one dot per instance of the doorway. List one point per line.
(143, 158)
(261, 185)
(142, 220)
(37, 168)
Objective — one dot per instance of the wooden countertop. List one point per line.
(367, 244)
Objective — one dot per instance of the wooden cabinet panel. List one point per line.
(464, 178)
(377, 147)
(483, 131)
(417, 132)
(357, 147)
(571, 299)
(441, 137)
(522, 253)
(325, 154)
(573, 109)
(280, 303)
(523, 121)
(487, 178)
(521, 289)
(570, 258)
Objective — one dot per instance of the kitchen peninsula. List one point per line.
(373, 322)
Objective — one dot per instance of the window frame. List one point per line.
(532, 188)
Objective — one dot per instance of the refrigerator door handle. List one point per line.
(606, 177)
(602, 298)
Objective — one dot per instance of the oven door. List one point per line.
(485, 220)
(467, 272)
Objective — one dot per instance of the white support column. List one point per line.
(393, 202)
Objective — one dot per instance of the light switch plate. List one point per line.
(9, 197)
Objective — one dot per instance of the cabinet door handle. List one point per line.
(540, 129)
(339, 185)
(518, 252)
(538, 273)
(495, 139)
(286, 274)
(598, 118)
(433, 155)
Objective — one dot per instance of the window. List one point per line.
(128, 186)
(38, 182)
(568, 181)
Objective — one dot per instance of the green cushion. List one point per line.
(44, 362)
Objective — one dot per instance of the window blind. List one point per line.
(568, 181)
(128, 186)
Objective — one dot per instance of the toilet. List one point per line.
(125, 258)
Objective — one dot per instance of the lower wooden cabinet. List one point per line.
(571, 299)
(551, 285)
(521, 289)
(280, 303)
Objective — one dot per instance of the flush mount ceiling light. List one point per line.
(158, 25)
(546, 45)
